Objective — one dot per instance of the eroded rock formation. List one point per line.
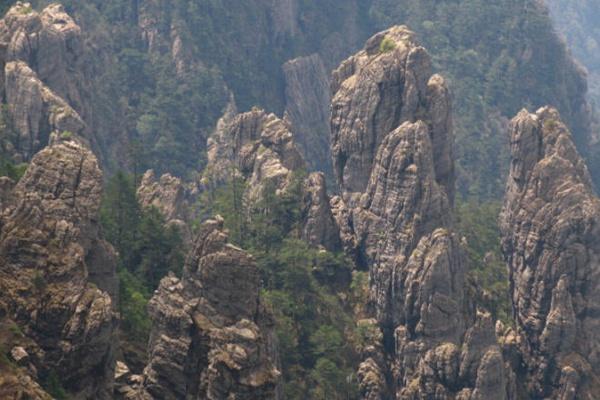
(393, 157)
(550, 241)
(53, 78)
(387, 83)
(57, 275)
(41, 76)
(257, 145)
(174, 199)
(212, 337)
(260, 149)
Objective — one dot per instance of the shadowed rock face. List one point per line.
(211, 336)
(387, 83)
(57, 273)
(392, 148)
(307, 96)
(550, 224)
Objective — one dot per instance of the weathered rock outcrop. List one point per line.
(393, 156)
(41, 76)
(320, 228)
(387, 83)
(212, 337)
(260, 149)
(57, 273)
(257, 145)
(550, 223)
(50, 78)
(174, 199)
(307, 108)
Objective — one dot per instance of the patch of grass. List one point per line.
(15, 330)
(25, 10)
(66, 135)
(54, 386)
(386, 45)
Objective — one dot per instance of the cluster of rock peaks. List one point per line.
(212, 336)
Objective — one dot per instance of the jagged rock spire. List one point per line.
(551, 241)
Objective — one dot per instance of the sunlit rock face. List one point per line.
(393, 158)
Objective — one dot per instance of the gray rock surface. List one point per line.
(57, 272)
(211, 336)
(550, 241)
(320, 228)
(260, 149)
(173, 198)
(53, 78)
(308, 99)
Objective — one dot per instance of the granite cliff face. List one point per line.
(174, 199)
(54, 77)
(58, 274)
(393, 156)
(550, 242)
(41, 76)
(212, 338)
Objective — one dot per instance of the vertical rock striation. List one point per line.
(58, 274)
(54, 77)
(550, 241)
(212, 337)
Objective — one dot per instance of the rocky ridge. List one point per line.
(58, 275)
(549, 224)
(54, 77)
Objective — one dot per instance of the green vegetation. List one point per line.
(14, 172)
(66, 135)
(39, 282)
(54, 386)
(479, 224)
(24, 10)
(147, 249)
(387, 45)
(302, 286)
